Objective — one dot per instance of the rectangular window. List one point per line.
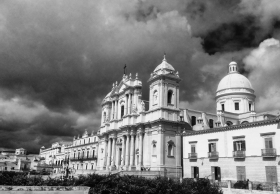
(216, 173)
(236, 105)
(223, 107)
(271, 174)
(250, 106)
(212, 147)
(239, 145)
(241, 173)
(268, 143)
(193, 149)
(193, 120)
(211, 123)
(194, 172)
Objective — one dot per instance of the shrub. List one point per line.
(102, 184)
(241, 185)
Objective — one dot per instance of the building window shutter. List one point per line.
(192, 172)
(209, 146)
(214, 147)
(271, 173)
(268, 143)
(241, 173)
(213, 172)
(234, 146)
(193, 149)
(243, 146)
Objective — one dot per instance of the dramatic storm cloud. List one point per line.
(59, 58)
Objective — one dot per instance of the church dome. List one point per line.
(164, 65)
(234, 79)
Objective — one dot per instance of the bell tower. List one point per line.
(164, 87)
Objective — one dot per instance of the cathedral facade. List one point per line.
(135, 139)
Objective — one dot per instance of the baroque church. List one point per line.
(158, 137)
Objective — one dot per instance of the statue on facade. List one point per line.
(143, 106)
(134, 108)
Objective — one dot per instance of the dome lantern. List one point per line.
(233, 67)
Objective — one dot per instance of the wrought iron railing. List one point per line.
(192, 155)
(269, 152)
(239, 154)
(81, 158)
(213, 155)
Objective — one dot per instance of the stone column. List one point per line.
(109, 154)
(250, 186)
(129, 104)
(127, 151)
(112, 110)
(114, 152)
(141, 149)
(229, 184)
(274, 187)
(136, 99)
(178, 149)
(116, 109)
(148, 148)
(178, 154)
(160, 147)
(132, 150)
(123, 151)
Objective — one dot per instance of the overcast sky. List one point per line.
(59, 58)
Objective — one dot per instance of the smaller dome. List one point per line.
(233, 63)
(164, 65)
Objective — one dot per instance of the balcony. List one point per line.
(213, 155)
(84, 158)
(269, 152)
(192, 155)
(239, 154)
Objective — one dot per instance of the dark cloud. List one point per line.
(58, 59)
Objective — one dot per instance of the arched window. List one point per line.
(104, 117)
(229, 123)
(155, 97)
(170, 148)
(122, 110)
(93, 153)
(211, 123)
(193, 120)
(169, 97)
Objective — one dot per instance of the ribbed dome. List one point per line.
(164, 65)
(234, 80)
